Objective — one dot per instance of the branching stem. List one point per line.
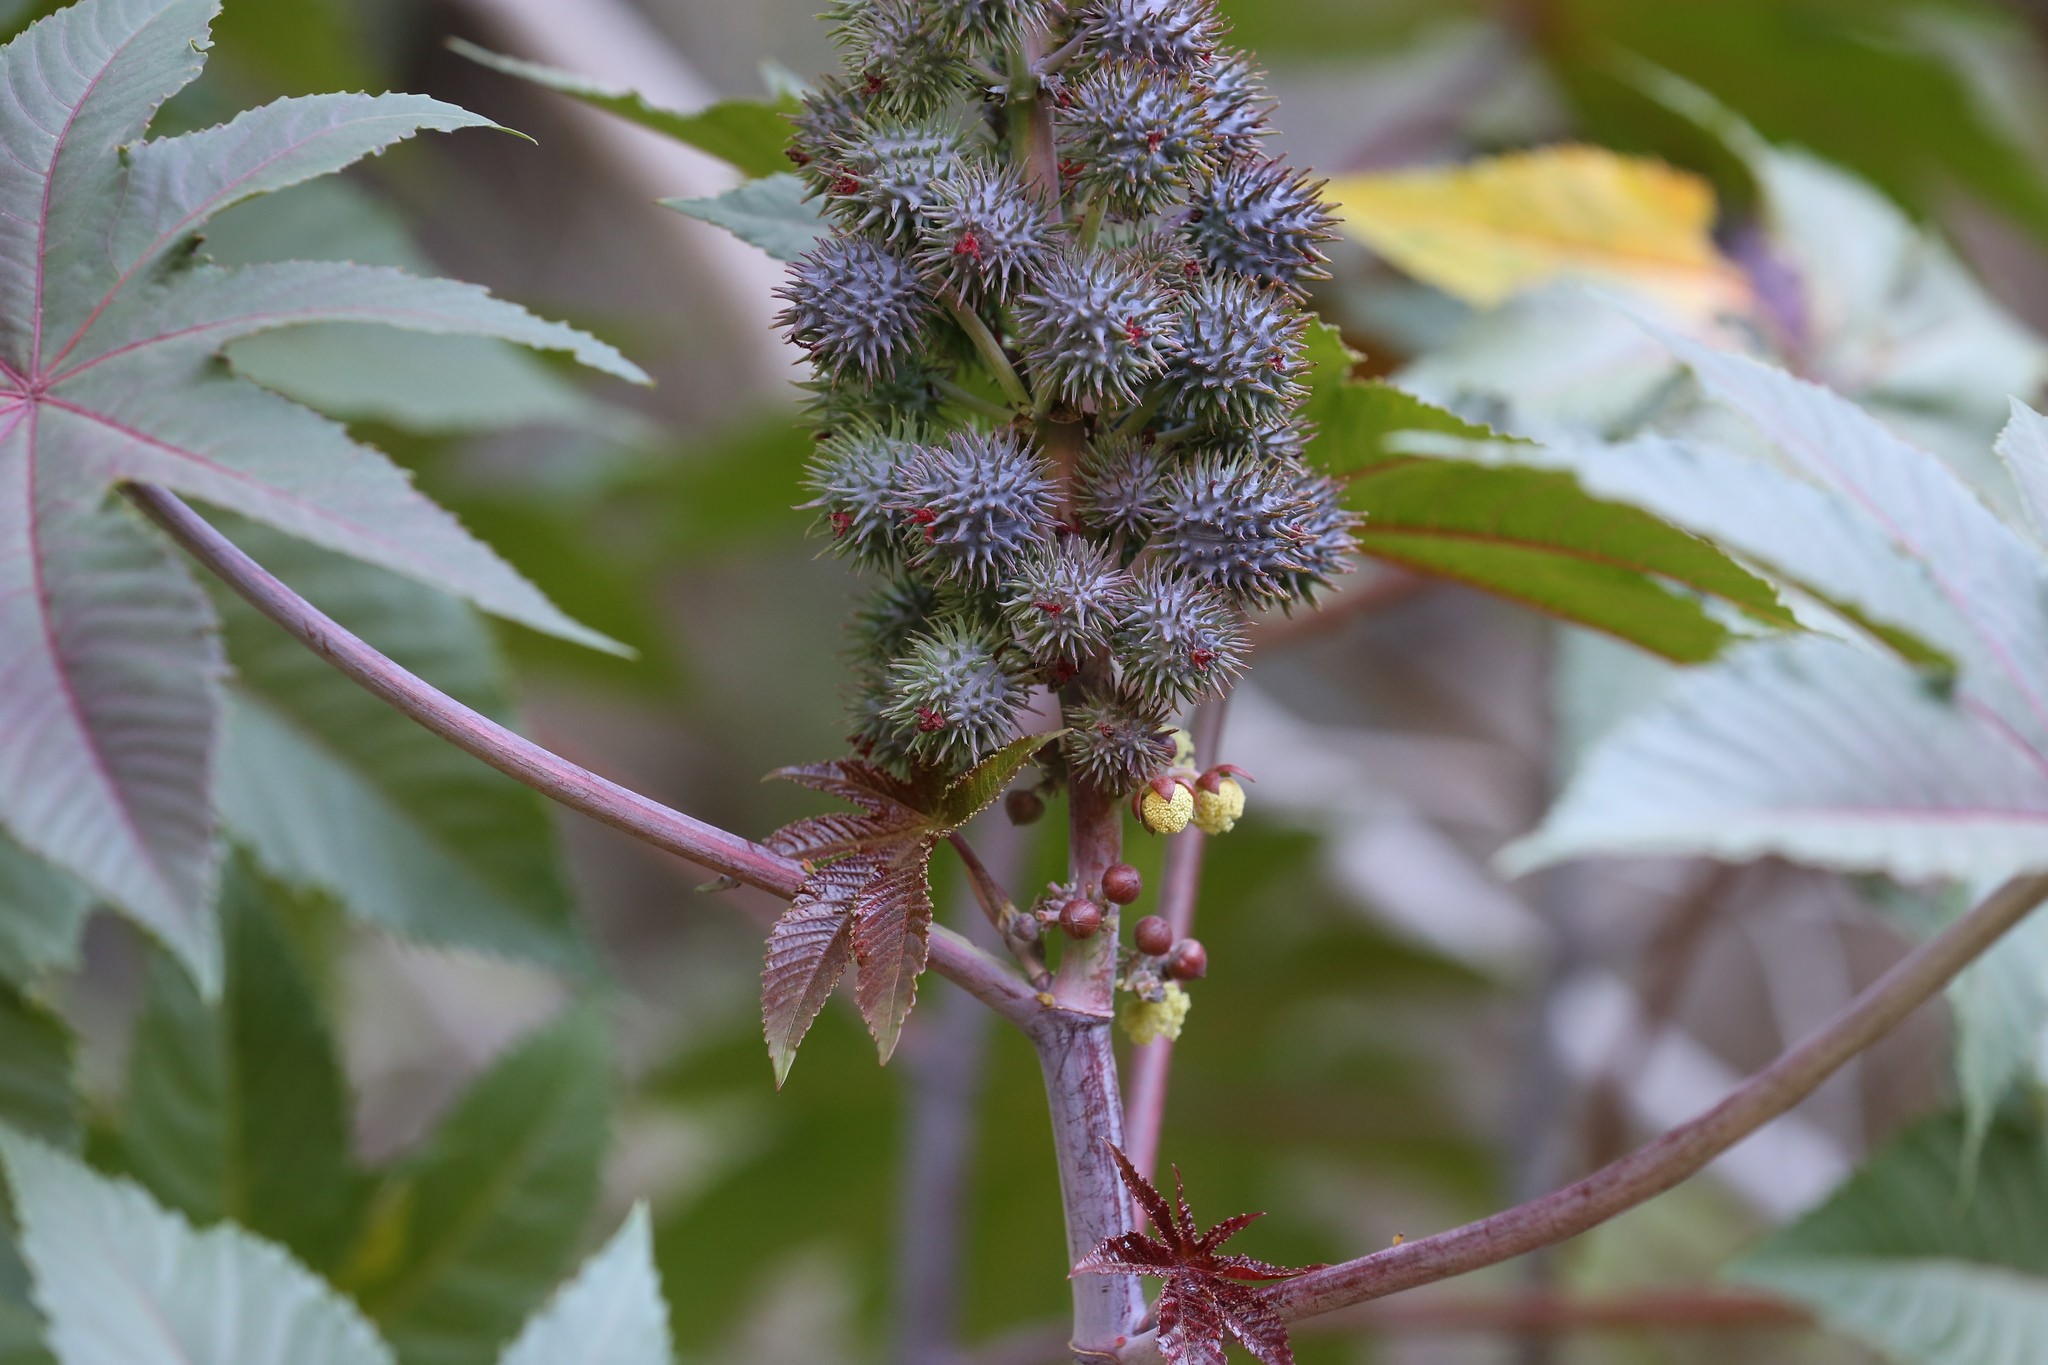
(548, 773)
(1685, 1150)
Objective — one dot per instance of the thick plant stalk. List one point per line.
(524, 761)
(1651, 1170)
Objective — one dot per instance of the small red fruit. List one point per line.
(1187, 960)
(1154, 936)
(1080, 918)
(1122, 883)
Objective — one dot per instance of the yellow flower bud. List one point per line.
(1145, 1020)
(1167, 815)
(1183, 749)
(1216, 811)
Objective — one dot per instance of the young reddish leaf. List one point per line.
(883, 851)
(1203, 1299)
(111, 336)
(807, 954)
(892, 924)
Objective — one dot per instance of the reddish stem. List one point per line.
(524, 761)
(1179, 887)
(1680, 1153)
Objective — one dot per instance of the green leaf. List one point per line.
(333, 789)
(1920, 1262)
(1800, 534)
(1896, 112)
(110, 338)
(239, 1110)
(124, 1282)
(1532, 536)
(748, 134)
(1992, 579)
(772, 213)
(42, 913)
(486, 1217)
(1811, 749)
(977, 789)
(38, 1088)
(2023, 446)
(611, 1314)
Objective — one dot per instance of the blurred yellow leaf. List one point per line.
(1491, 229)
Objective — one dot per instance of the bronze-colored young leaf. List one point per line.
(874, 865)
(1207, 1293)
(807, 954)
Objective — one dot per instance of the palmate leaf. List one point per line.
(472, 1232)
(1531, 535)
(747, 134)
(238, 1109)
(334, 790)
(1922, 1259)
(1823, 751)
(774, 213)
(1206, 1297)
(868, 900)
(611, 1313)
(110, 334)
(123, 1281)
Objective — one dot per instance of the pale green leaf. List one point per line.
(333, 789)
(1814, 750)
(110, 373)
(1800, 534)
(976, 789)
(748, 134)
(2023, 446)
(42, 913)
(1992, 580)
(772, 213)
(611, 1313)
(108, 722)
(487, 1214)
(122, 1281)
(239, 1110)
(1921, 1262)
(1531, 535)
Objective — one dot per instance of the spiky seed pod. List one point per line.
(1323, 529)
(1235, 102)
(1063, 601)
(1181, 639)
(985, 233)
(1238, 353)
(988, 24)
(954, 697)
(1245, 527)
(1136, 134)
(886, 175)
(873, 732)
(1094, 329)
(831, 111)
(903, 55)
(854, 475)
(895, 614)
(855, 307)
(907, 392)
(1122, 486)
(976, 504)
(1261, 218)
(1174, 34)
(1116, 742)
(1284, 437)
(1163, 257)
